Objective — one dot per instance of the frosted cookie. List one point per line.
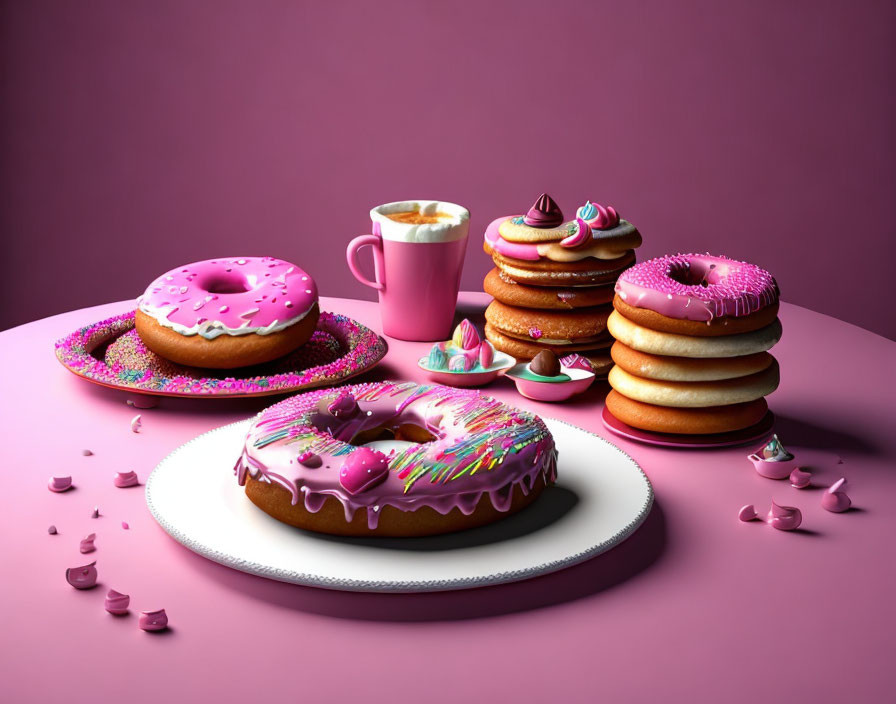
(583, 272)
(664, 343)
(575, 327)
(597, 353)
(723, 325)
(695, 394)
(506, 290)
(664, 368)
(690, 421)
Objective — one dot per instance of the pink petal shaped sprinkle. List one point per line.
(747, 513)
(800, 478)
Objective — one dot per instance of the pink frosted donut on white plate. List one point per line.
(228, 312)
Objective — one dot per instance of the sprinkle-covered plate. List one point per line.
(111, 354)
(600, 498)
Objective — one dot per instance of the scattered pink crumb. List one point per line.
(125, 525)
(52, 530)
(153, 620)
(86, 453)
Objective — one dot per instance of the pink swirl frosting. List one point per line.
(597, 216)
(83, 577)
(124, 480)
(116, 602)
(153, 620)
(465, 335)
(544, 214)
(230, 296)
(697, 287)
(580, 236)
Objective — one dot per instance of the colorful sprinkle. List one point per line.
(339, 348)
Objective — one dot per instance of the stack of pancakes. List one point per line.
(553, 280)
(681, 369)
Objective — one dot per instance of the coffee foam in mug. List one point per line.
(454, 227)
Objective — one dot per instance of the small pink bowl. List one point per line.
(500, 364)
(579, 381)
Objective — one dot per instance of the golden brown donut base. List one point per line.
(727, 325)
(508, 291)
(654, 366)
(595, 352)
(696, 394)
(589, 271)
(224, 351)
(685, 421)
(583, 324)
(393, 522)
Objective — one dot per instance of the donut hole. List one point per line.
(695, 273)
(222, 282)
(404, 432)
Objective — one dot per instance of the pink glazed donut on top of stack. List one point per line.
(692, 338)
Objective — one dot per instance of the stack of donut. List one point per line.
(553, 280)
(692, 339)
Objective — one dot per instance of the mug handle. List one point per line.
(351, 256)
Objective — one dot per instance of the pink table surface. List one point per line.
(695, 606)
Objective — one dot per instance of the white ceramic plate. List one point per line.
(600, 498)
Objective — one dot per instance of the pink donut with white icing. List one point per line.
(201, 311)
(697, 287)
(452, 459)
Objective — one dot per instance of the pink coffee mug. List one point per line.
(417, 267)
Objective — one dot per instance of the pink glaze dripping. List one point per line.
(343, 406)
(230, 295)
(530, 252)
(733, 288)
(422, 476)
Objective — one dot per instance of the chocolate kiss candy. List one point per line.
(545, 213)
(545, 364)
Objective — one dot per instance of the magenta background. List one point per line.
(137, 136)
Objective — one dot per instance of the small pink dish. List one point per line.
(734, 438)
(500, 364)
(552, 391)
